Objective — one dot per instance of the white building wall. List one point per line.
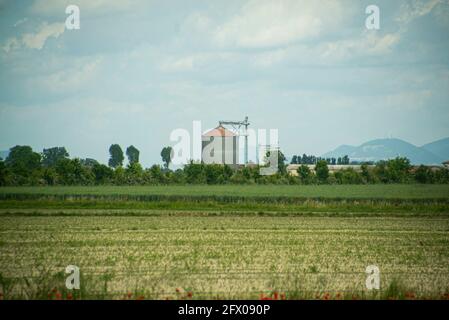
(220, 150)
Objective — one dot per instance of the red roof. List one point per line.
(219, 131)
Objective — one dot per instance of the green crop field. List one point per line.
(225, 242)
(404, 191)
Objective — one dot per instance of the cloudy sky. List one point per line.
(138, 69)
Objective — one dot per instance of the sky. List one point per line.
(137, 70)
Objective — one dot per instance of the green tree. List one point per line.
(23, 161)
(134, 173)
(441, 176)
(304, 174)
(398, 169)
(4, 174)
(219, 174)
(348, 176)
(88, 162)
(50, 176)
(102, 173)
(178, 177)
(157, 174)
(194, 173)
(366, 174)
(423, 174)
(322, 171)
(51, 156)
(116, 153)
(239, 177)
(294, 159)
(167, 155)
(119, 176)
(72, 172)
(133, 154)
(381, 171)
(227, 172)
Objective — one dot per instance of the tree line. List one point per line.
(53, 166)
(310, 159)
(398, 170)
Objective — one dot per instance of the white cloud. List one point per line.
(197, 22)
(195, 61)
(76, 76)
(367, 44)
(375, 43)
(411, 10)
(35, 40)
(328, 52)
(302, 31)
(265, 23)
(408, 100)
(11, 44)
(181, 64)
(442, 13)
(20, 21)
(80, 74)
(267, 59)
(87, 7)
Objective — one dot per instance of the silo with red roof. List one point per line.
(220, 146)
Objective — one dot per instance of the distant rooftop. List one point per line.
(219, 131)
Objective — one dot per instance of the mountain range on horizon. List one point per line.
(433, 153)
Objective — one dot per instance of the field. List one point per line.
(225, 242)
(376, 191)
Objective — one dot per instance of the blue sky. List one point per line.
(137, 70)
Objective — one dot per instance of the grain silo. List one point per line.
(220, 146)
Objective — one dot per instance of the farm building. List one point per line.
(220, 146)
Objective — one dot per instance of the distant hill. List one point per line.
(4, 154)
(383, 149)
(439, 148)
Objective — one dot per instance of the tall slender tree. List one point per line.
(133, 154)
(116, 159)
(167, 155)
